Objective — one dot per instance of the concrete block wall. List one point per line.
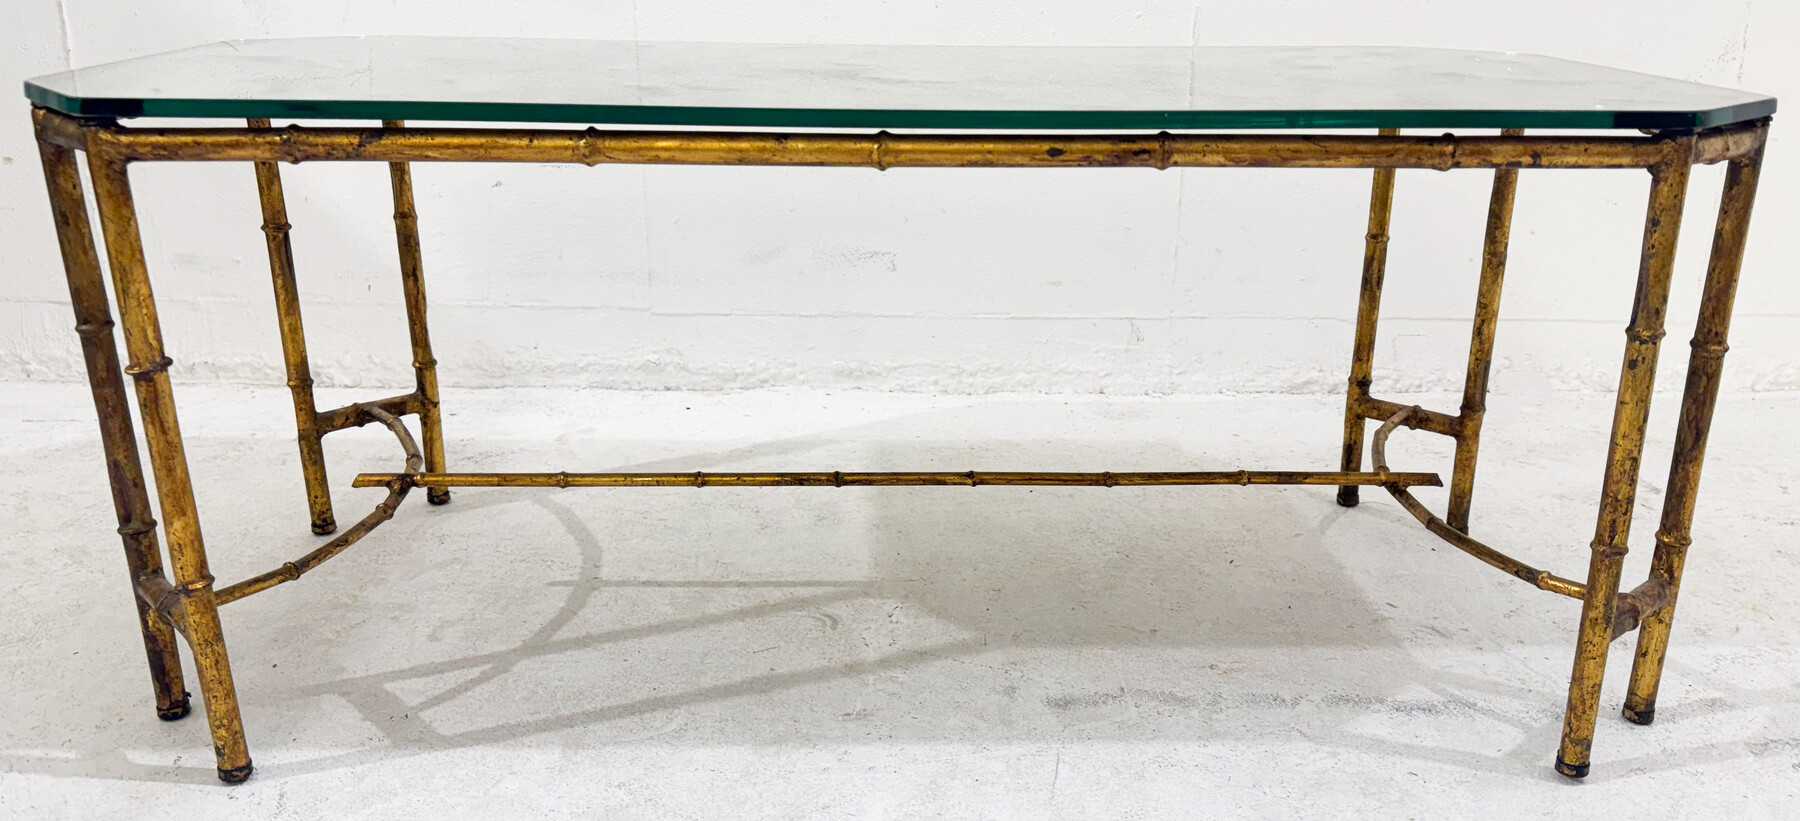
(1131, 282)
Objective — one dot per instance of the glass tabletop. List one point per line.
(894, 87)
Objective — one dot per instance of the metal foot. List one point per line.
(236, 775)
(176, 711)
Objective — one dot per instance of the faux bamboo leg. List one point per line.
(412, 282)
(1705, 364)
(162, 433)
(93, 321)
(1637, 376)
(1481, 342)
(293, 341)
(1368, 311)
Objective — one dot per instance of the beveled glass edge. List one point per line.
(465, 111)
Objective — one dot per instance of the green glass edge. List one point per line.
(878, 118)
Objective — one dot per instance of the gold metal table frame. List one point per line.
(188, 604)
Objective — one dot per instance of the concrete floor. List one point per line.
(886, 653)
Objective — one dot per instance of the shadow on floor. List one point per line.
(1203, 615)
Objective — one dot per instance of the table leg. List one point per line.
(131, 502)
(1704, 367)
(162, 433)
(1368, 313)
(293, 340)
(1481, 342)
(412, 281)
(1637, 376)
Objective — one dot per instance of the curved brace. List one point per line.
(1541, 579)
(397, 490)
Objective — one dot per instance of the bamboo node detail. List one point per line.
(1412, 419)
(1606, 550)
(589, 147)
(138, 528)
(291, 154)
(1675, 541)
(203, 583)
(147, 370)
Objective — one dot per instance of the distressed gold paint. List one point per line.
(188, 605)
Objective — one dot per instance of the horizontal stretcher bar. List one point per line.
(883, 150)
(594, 146)
(969, 478)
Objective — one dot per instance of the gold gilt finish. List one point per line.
(397, 490)
(1481, 343)
(1368, 314)
(188, 605)
(969, 478)
(1618, 490)
(1705, 363)
(94, 324)
(412, 284)
(293, 340)
(149, 367)
(881, 150)
(1542, 579)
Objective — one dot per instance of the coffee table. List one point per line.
(885, 107)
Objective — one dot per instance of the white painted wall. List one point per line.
(940, 280)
